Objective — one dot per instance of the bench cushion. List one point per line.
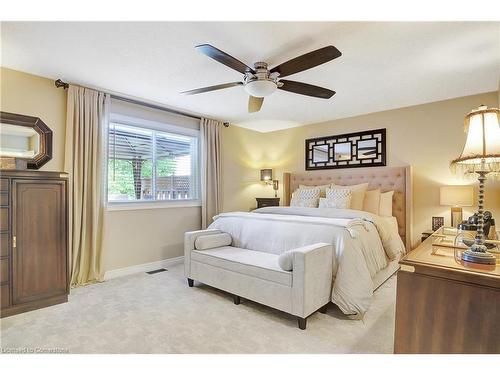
(252, 263)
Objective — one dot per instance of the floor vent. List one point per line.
(156, 271)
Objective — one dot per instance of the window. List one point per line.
(146, 164)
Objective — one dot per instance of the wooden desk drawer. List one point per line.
(4, 184)
(5, 296)
(4, 219)
(4, 244)
(4, 270)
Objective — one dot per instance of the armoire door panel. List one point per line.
(39, 226)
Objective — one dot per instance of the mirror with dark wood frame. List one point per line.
(25, 137)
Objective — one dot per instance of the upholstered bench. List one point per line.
(298, 281)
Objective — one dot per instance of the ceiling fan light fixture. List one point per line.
(260, 88)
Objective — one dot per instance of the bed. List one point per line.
(367, 248)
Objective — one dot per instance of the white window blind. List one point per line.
(147, 164)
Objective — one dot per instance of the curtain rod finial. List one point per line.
(61, 83)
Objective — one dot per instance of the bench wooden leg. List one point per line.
(324, 309)
(190, 282)
(302, 322)
(236, 299)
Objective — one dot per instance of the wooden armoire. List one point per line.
(33, 239)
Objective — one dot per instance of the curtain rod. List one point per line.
(65, 85)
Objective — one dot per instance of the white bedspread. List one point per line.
(358, 240)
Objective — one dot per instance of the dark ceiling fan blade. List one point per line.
(307, 61)
(212, 88)
(224, 58)
(254, 104)
(306, 89)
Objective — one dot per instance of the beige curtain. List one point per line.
(211, 179)
(86, 122)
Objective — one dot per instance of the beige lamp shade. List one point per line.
(458, 196)
(481, 152)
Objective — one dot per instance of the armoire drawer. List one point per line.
(4, 244)
(4, 218)
(4, 184)
(4, 270)
(4, 199)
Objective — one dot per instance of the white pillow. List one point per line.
(371, 202)
(322, 188)
(336, 198)
(305, 197)
(385, 206)
(358, 194)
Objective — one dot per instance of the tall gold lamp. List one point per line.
(481, 155)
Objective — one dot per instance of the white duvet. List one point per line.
(362, 242)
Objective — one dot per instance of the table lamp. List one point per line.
(456, 197)
(481, 155)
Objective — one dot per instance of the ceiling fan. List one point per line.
(260, 81)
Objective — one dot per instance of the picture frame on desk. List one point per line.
(437, 222)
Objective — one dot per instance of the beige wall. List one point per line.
(243, 155)
(425, 136)
(31, 95)
(143, 236)
(131, 237)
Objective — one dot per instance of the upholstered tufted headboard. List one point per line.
(386, 178)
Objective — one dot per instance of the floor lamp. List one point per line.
(480, 155)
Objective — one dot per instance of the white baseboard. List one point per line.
(145, 267)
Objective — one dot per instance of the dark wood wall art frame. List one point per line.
(45, 153)
(379, 153)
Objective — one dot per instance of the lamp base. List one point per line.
(480, 257)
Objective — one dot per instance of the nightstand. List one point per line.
(444, 305)
(425, 234)
(267, 202)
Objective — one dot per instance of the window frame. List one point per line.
(151, 203)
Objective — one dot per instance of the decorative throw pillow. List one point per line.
(322, 189)
(336, 198)
(304, 202)
(372, 201)
(308, 193)
(385, 206)
(357, 194)
(305, 198)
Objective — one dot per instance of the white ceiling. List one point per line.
(383, 66)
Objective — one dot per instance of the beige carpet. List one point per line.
(160, 314)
